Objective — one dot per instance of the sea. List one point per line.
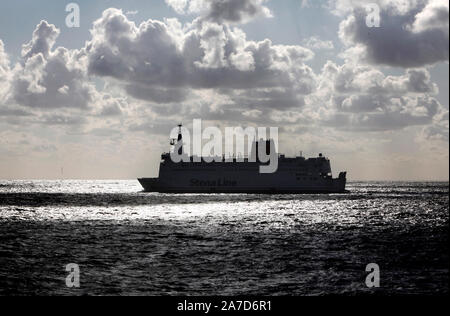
(127, 242)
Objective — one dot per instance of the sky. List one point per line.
(98, 101)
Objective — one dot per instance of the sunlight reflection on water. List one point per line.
(221, 244)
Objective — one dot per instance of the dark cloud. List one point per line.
(13, 111)
(408, 38)
(155, 94)
(111, 110)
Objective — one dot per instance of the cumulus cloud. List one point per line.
(180, 6)
(50, 85)
(439, 131)
(210, 70)
(43, 39)
(411, 33)
(362, 98)
(158, 61)
(352, 78)
(48, 78)
(222, 11)
(435, 15)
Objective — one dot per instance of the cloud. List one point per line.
(206, 69)
(156, 95)
(361, 98)
(158, 61)
(237, 11)
(13, 111)
(353, 78)
(438, 132)
(222, 11)
(435, 15)
(180, 6)
(55, 81)
(112, 106)
(59, 119)
(47, 79)
(387, 114)
(411, 33)
(43, 39)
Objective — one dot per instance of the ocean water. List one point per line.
(127, 242)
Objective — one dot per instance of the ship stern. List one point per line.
(340, 182)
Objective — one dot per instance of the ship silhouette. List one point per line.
(242, 175)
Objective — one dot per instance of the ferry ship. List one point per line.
(294, 175)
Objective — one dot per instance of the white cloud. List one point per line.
(48, 79)
(159, 61)
(178, 5)
(361, 98)
(44, 37)
(435, 15)
(222, 11)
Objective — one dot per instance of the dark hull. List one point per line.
(153, 185)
